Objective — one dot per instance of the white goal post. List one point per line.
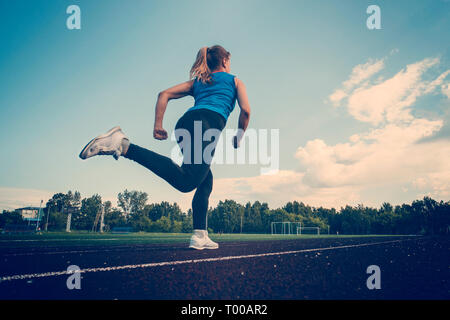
(284, 227)
(288, 227)
(299, 229)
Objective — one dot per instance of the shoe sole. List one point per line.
(196, 248)
(110, 132)
(201, 248)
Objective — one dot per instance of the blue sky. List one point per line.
(59, 88)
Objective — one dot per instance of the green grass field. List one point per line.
(60, 239)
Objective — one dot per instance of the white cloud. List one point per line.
(337, 96)
(382, 156)
(359, 73)
(390, 100)
(279, 188)
(394, 51)
(435, 184)
(386, 101)
(13, 198)
(446, 89)
(362, 72)
(391, 152)
(437, 82)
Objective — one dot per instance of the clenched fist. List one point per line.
(159, 133)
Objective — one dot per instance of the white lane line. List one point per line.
(63, 252)
(172, 263)
(84, 239)
(38, 240)
(161, 246)
(115, 248)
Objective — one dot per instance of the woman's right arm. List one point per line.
(179, 91)
(244, 116)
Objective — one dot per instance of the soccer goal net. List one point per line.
(285, 227)
(308, 230)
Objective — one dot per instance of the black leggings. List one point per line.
(192, 174)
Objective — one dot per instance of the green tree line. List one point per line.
(426, 216)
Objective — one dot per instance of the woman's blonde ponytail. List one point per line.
(200, 69)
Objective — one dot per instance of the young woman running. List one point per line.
(215, 91)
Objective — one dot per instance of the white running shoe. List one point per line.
(110, 143)
(200, 241)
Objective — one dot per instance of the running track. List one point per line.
(411, 268)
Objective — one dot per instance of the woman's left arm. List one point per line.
(179, 91)
(244, 116)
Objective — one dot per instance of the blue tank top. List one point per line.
(219, 96)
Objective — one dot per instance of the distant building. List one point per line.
(30, 214)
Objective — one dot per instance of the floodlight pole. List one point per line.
(242, 216)
(46, 223)
(102, 219)
(39, 216)
(69, 218)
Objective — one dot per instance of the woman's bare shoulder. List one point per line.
(237, 81)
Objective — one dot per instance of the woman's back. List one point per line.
(219, 96)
